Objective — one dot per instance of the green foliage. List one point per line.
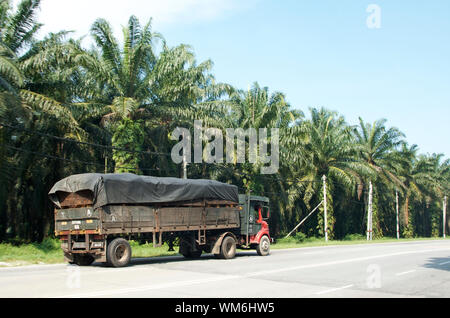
(49, 251)
(128, 135)
(408, 231)
(49, 244)
(354, 237)
(129, 97)
(300, 237)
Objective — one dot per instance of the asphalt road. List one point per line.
(408, 269)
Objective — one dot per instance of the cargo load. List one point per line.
(128, 188)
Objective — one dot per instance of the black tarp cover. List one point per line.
(128, 188)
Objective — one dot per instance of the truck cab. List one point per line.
(255, 212)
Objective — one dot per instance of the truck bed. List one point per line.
(132, 219)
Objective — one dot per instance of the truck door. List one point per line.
(253, 226)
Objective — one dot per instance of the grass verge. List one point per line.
(296, 242)
(49, 252)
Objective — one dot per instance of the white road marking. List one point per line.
(358, 259)
(444, 263)
(333, 290)
(404, 273)
(314, 253)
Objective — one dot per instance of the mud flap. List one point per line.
(101, 258)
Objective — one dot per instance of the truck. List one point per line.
(96, 215)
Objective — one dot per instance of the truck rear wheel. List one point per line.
(118, 253)
(263, 248)
(187, 250)
(83, 259)
(195, 254)
(228, 248)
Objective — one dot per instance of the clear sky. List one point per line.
(319, 53)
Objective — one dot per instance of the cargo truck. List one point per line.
(96, 216)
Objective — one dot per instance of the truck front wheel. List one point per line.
(118, 253)
(263, 248)
(228, 248)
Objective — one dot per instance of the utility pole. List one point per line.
(247, 214)
(324, 178)
(444, 214)
(396, 203)
(369, 213)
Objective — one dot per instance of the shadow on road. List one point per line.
(170, 259)
(442, 263)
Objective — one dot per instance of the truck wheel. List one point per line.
(196, 254)
(186, 250)
(118, 253)
(263, 248)
(228, 248)
(83, 259)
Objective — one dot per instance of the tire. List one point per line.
(118, 253)
(228, 248)
(195, 254)
(185, 248)
(83, 259)
(263, 248)
(187, 252)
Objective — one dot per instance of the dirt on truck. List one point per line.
(97, 214)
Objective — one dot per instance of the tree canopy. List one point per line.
(67, 109)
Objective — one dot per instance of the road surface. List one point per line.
(407, 269)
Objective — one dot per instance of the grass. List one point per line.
(300, 241)
(147, 250)
(49, 251)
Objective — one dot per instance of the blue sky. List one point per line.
(319, 53)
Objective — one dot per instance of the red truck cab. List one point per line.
(255, 212)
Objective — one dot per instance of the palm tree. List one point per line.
(326, 148)
(28, 102)
(426, 179)
(255, 109)
(378, 146)
(131, 87)
(377, 143)
(16, 32)
(18, 28)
